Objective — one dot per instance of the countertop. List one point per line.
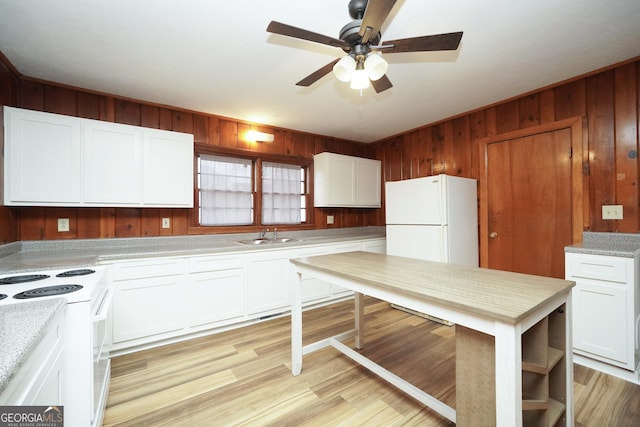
(625, 245)
(22, 327)
(53, 254)
(492, 294)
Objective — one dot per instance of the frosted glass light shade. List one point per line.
(344, 68)
(360, 79)
(255, 136)
(375, 66)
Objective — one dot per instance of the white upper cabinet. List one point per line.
(346, 181)
(42, 158)
(56, 160)
(164, 151)
(111, 164)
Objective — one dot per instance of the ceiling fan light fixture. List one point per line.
(375, 66)
(360, 78)
(344, 68)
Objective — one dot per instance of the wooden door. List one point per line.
(531, 198)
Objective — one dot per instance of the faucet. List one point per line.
(263, 233)
(275, 234)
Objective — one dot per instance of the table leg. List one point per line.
(359, 319)
(296, 326)
(508, 345)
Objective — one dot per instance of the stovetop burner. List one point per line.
(13, 280)
(78, 272)
(48, 291)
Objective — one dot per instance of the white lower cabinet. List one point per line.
(268, 282)
(39, 380)
(313, 289)
(160, 299)
(149, 298)
(378, 246)
(605, 308)
(216, 290)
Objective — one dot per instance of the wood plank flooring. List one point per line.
(243, 378)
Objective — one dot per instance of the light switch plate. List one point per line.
(611, 211)
(63, 224)
(166, 222)
(329, 219)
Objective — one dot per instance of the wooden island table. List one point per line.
(513, 338)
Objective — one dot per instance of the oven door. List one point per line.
(101, 363)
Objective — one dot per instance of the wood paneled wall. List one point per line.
(8, 96)
(40, 223)
(609, 102)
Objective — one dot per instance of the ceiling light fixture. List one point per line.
(256, 136)
(359, 69)
(376, 66)
(360, 77)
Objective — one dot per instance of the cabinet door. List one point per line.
(313, 289)
(42, 158)
(376, 246)
(146, 307)
(268, 278)
(48, 390)
(167, 168)
(215, 296)
(368, 182)
(600, 319)
(334, 180)
(111, 164)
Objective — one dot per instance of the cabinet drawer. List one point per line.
(215, 263)
(156, 267)
(610, 269)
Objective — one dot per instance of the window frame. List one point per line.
(257, 158)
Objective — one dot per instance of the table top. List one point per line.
(495, 294)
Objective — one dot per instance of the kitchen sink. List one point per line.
(264, 241)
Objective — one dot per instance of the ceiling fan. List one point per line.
(360, 39)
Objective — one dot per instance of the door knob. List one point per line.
(493, 235)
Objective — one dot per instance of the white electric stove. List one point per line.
(86, 372)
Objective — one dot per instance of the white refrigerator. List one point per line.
(433, 218)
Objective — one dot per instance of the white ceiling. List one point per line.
(216, 56)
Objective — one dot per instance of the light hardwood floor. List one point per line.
(243, 378)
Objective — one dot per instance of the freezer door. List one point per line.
(415, 201)
(420, 242)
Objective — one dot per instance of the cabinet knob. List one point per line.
(493, 235)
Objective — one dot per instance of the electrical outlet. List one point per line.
(611, 211)
(329, 219)
(166, 222)
(63, 224)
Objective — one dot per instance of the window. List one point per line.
(225, 190)
(281, 193)
(232, 188)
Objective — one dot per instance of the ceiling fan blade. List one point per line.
(383, 83)
(448, 41)
(374, 16)
(318, 74)
(299, 33)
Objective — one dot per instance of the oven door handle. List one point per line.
(104, 307)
